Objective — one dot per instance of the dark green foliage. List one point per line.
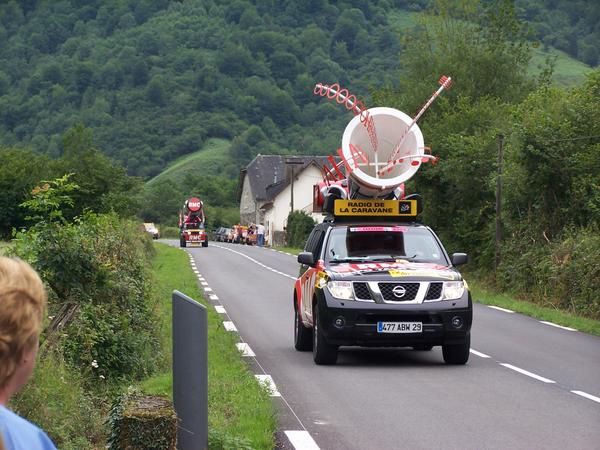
(218, 440)
(562, 273)
(569, 25)
(56, 399)
(102, 185)
(299, 226)
(17, 178)
(106, 289)
(550, 170)
(154, 80)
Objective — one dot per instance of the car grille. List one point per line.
(411, 290)
(361, 291)
(434, 292)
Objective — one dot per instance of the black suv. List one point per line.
(380, 283)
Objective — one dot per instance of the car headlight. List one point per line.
(453, 290)
(341, 289)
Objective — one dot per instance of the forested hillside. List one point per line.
(154, 79)
(572, 26)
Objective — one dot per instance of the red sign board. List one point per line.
(194, 204)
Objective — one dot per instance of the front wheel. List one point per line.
(182, 243)
(323, 352)
(303, 340)
(457, 354)
(204, 243)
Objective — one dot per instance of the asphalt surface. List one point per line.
(527, 385)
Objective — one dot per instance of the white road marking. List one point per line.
(481, 355)
(229, 325)
(501, 309)
(245, 349)
(301, 440)
(204, 283)
(529, 374)
(256, 262)
(220, 309)
(557, 326)
(197, 272)
(588, 396)
(207, 289)
(213, 297)
(267, 382)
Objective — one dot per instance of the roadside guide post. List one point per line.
(190, 372)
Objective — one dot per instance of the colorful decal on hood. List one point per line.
(397, 269)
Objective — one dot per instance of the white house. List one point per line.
(265, 191)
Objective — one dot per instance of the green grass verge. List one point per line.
(291, 250)
(239, 408)
(486, 296)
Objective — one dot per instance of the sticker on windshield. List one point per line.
(377, 229)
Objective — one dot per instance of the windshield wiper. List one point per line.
(393, 258)
(347, 260)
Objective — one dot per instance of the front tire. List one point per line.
(323, 353)
(303, 340)
(457, 354)
(182, 243)
(204, 243)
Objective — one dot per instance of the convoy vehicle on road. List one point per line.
(371, 274)
(369, 280)
(191, 224)
(151, 229)
(222, 234)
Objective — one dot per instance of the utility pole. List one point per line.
(499, 203)
(293, 162)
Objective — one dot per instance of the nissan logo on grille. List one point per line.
(399, 291)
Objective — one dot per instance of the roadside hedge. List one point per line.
(563, 273)
(299, 226)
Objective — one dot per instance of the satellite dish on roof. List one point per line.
(370, 169)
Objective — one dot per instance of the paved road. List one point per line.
(527, 385)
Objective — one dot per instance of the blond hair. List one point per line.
(22, 308)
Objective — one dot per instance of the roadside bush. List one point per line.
(56, 400)
(97, 272)
(169, 232)
(563, 273)
(299, 226)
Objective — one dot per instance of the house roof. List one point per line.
(269, 174)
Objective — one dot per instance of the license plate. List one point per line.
(399, 327)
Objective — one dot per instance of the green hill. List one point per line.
(212, 159)
(568, 71)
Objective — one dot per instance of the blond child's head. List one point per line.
(22, 309)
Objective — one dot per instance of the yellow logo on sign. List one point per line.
(375, 207)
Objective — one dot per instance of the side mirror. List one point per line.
(306, 258)
(459, 258)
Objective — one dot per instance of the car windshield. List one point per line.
(383, 243)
